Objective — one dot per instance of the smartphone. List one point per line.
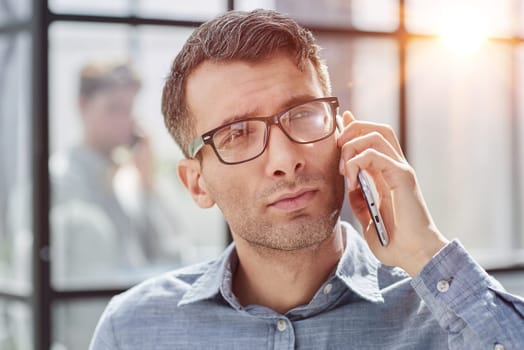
(368, 189)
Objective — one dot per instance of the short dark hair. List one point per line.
(235, 35)
(100, 76)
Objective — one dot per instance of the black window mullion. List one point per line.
(41, 307)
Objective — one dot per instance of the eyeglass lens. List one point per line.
(247, 139)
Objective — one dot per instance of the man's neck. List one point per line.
(282, 280)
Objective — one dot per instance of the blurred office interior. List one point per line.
(447, 75)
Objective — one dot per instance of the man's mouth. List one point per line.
(294, 201)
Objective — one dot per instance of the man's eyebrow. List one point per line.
(296, 100)
(250, 114)
(293, 101)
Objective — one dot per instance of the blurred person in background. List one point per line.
(108, 225)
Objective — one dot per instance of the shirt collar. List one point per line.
(357, 269)
(207, 286)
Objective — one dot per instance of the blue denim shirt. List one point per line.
(451, 304)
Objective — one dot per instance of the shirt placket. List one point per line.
(283, 333)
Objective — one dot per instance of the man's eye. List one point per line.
(232, 136)
(302, 118)
(235, 135)
(302, 114)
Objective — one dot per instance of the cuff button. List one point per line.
(443, 286)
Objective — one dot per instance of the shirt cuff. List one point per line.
(452, 276)
(459, 292)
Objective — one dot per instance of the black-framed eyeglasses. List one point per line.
(243, 140)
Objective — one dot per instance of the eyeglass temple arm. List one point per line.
(195, 146)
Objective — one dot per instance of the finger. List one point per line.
(372, 140)
(393, 172)
(347, 118)
(357, 128)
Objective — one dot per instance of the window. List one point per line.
(73, 46)
(199, 10)
(444, 92)
(108, 231)
(447, 75)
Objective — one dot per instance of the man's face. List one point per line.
(289, 197)
(107, 116)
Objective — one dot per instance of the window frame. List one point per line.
(43, 294)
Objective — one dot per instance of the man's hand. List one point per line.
(414, 238)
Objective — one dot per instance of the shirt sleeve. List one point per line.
(468, 303)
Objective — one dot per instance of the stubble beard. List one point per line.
(299, 232)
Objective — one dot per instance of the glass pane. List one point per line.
(74, 322)
(14, 10)
(364, 75)
(119, 212)
(520, 138)
(459, 110)
(101, 7)
(15, 160)
(331, 13)
(248, 5)
(463, 17)
(519, 10)
(375, 15)
(189, 10)
(15, 326)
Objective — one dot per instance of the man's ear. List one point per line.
(189, 173)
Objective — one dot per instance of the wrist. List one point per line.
(423, 256)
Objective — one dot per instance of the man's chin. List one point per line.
(295, 237)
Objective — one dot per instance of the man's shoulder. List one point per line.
(136, 316)
(161, 292)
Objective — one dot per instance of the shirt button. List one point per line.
(328, 288)
(443, 286)
(281, 325)
(498, 347)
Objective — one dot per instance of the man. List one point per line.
(248, 101)
(101, 233)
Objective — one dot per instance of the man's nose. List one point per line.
(284, 158)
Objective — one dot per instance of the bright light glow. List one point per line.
(463, 30)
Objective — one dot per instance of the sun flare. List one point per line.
(463, 32)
